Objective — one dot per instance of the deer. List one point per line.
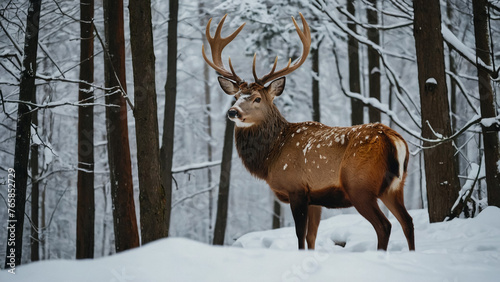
(308, 164)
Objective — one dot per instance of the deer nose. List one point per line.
(232, 113)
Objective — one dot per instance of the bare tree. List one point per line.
(27, 93)
(441, 172)
(315, 82)
(487, 103)
(224, 183)
(373, 59)
(354, 75)
(85, 213)
(208, 102)
(152, 195)
(35, 194)
(125, 222)
(167, 146)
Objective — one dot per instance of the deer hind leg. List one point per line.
(367, 206)
(314, 216)
(299, 206)
(393, 200)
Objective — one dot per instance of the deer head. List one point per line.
(254, 101)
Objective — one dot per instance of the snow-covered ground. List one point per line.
(460, 250)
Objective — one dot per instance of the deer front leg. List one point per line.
(299, 206)
(313, 220)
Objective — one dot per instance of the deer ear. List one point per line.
(276, 87)
(228, 86)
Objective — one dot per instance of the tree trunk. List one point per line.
(315, 83)
(354, 76)
(224, 182)
(35, 194)
(85, 212)
(152, 195)
(122, 194)
(19, 177)
(487, 103)
(440, 168)
(373, 60)
(167, 147)
(208, 103)
(276, 214)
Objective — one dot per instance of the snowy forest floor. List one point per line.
(459, 250)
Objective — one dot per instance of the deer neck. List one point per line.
(259, 145)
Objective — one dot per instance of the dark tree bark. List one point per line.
(373, 60)
(35, 194)
(440, 168)
(487, 103)
(27, 93)
(276, 214)
(224, 182)
(354, 76)
(85, 211)
(152, 195)
(167, 146)
(315, 83)
(122, 195)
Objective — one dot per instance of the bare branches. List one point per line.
(187, 168)
(371, 102)
(466, 52)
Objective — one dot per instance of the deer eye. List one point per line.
(257, 100)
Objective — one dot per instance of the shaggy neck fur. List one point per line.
(259, 145)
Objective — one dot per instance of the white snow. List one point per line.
(488, 122)
(459, 250)
(431, 80)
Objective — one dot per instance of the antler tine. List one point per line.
(217, 44)
(305, 37)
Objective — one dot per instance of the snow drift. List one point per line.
(459, 250)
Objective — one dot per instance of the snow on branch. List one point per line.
(187, 168)
(392, 77)
(464, 195)
(193, 195)
(35, 106)
(344, 11)
(467, 52)
(384, 108)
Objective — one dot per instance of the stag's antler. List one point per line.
(217, 44)
(305, 37)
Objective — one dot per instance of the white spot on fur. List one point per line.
(307, 147)
(284, 167)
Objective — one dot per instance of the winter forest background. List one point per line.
(340, 31)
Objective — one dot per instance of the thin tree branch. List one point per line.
(108, 57)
